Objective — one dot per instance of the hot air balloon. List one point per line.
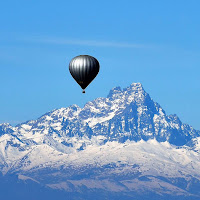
(84, 69)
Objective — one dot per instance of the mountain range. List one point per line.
(123, 146)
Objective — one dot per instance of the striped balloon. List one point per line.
(84, 69)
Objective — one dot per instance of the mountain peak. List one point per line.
(125, 114)
(136, 85)
(114, 92)
(133, 89)
(5, 128)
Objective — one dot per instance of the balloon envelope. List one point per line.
(84, 69)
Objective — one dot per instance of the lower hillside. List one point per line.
(108, 169)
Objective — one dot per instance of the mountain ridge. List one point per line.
(101, 115)
(123, 144)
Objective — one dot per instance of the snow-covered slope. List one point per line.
(122, 143)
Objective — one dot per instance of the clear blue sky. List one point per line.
(156, 43)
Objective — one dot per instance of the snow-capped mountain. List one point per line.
(122, 145)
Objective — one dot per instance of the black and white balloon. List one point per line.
(84, 69)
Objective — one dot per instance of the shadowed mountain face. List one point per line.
(118, 147)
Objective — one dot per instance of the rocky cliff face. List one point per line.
(125, 114)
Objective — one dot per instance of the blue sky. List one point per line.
(156, 43)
